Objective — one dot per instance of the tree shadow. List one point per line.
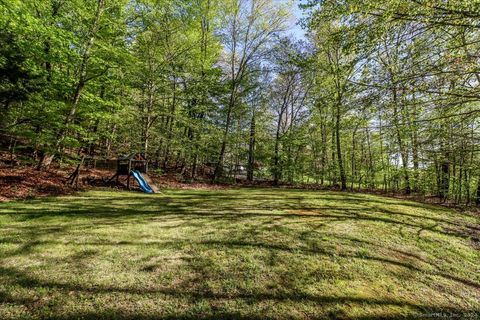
(26, 281)
(236, 226)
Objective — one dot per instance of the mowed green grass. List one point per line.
(236, 254)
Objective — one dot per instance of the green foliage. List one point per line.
(378, 95)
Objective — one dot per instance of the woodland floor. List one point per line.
(236, 254)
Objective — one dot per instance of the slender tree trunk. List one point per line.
(371, 166)
(333, 171)
(277, 170)
(170, 122)
(324, 151)
(204, 27)
(276, 154)
(231, 103)
(343, 178)
(219, 166)
(477, 199)
(290, 166)
(46, 160)
(402, 148)
(148, 118)
(415, 156)
(445, 179)
(91, 146)
(108, 143)
(251, 149)
(352, 159)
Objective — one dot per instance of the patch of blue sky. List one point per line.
(294, 28)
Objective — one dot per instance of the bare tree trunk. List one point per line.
(147, 117)
(47, 159)
(444, 178)
(354, 168)
(333, 171)
(251, 149)
(415, 156)
(324, 151)
(219, 166)
(108, 143)
(371, 166)
(343, 178)
(170, 122)
(477, 199)
(276, 157)
(401, 145)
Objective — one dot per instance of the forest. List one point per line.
(373, 96)
(239, 159)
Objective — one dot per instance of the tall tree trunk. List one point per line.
(170, 122)
(219, 166)
(415, 156)
(324, 152)
(371, 166)
(46, 160)
(353, 160)
(251, 149)
(148, 118)
(108, 142)
(276, 154)
(333, 167)
(343, 178)
(231, 104)
(204, 27)
(91, 146)
(277, 170)
(444, 178)
(477, 199)
(402, 148)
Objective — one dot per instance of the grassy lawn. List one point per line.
(236, 254)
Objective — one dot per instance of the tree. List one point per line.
(249, 27)
(336, 67)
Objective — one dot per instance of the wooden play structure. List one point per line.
(134, 165)
(126, 164)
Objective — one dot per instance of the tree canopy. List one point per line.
(377, 95)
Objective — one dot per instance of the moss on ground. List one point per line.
(236, 254)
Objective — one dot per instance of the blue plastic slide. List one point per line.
(141, 182)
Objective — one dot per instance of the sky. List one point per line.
(295, 29)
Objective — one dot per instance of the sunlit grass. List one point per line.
(243, 254)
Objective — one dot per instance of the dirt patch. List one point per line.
(26, 182)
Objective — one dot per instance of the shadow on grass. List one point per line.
(226, 245)
(136, 209)
(41, 223)
(26, 281)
